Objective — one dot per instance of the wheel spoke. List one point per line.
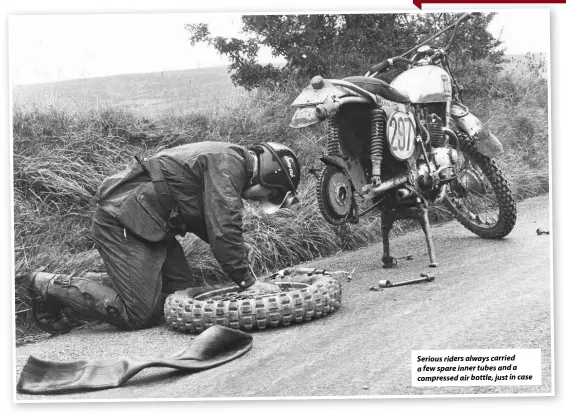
(480, 207)
(483, 206)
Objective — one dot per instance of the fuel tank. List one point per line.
(424, 84)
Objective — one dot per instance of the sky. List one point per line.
(51, 48)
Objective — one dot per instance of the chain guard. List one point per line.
(334, 194)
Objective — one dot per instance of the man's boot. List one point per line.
(86, 296)
(50, 317)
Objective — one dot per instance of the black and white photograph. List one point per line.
(231, 206)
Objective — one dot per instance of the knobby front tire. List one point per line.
(490, 215)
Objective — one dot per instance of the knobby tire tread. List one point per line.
(323, 296)
(505, 199)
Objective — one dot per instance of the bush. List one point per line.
(514, 104)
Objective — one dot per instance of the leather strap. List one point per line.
(250, 164)
(161, 187)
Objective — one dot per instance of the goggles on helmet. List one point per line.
(281, 201)
(273, 173)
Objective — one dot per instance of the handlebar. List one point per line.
(381, 66)
(461, 20)
(454, 25)
(468, 16)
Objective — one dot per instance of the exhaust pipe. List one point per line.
(372, 192)
(403, 193)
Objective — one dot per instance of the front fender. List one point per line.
(351, 167)
(486, 143)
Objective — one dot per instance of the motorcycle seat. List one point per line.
(379, 87)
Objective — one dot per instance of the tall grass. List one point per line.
(514, 104)
(62, 153)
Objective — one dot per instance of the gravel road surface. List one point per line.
(486, 295)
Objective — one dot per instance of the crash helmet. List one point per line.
(278, 168)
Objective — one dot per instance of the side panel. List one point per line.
(354, 123)
(355, 132)
(401, 133)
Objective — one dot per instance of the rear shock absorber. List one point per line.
(333, 142)
(376, 144)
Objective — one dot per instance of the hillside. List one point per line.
(155, 94)
(159, 93)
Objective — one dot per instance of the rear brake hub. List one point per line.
(341, 194)
(335, 196)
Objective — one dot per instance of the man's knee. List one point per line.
(144, 319)
(141, 324)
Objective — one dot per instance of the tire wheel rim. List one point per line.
(234, 293)
(474, 196)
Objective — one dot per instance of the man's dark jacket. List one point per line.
(206, 181)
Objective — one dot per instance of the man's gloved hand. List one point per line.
(265, 287)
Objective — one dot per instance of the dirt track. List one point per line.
(487, 294)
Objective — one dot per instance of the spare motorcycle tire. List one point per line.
(304, 297)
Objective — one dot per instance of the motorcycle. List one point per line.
(406, 145)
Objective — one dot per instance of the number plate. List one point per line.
(401, 134)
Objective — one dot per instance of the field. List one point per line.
(70, 135)
(151, 94)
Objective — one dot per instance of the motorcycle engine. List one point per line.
(441, 155)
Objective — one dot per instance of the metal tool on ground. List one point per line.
(389, 284)
(307, 271)
(252, 272)
(349, 277)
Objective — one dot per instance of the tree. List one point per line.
(337, 45)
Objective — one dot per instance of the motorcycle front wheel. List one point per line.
(480, 198)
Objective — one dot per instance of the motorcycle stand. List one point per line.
(389, 216)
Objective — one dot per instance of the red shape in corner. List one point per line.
(419, 3)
